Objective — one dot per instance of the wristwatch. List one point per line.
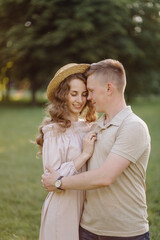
(58, 183)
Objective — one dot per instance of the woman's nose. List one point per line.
(79, 99)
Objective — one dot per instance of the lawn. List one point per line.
(21, 193)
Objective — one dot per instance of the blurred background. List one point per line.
(36, 39)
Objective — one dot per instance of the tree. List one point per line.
(41, 36)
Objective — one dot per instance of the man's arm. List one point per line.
(97, 178)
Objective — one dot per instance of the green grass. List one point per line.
(150, 112)
(21, 193)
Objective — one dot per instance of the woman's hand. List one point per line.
(88, 149)
(88, 144)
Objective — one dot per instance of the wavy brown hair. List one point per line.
(58, 110)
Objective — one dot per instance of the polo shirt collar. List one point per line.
(117, 119)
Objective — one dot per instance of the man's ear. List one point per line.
(109, 88)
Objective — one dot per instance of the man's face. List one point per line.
(96, 92)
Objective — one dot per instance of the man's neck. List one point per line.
(114, 108)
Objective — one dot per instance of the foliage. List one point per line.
(41, 36)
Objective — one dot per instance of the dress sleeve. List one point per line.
(54, 152)
(67, 168)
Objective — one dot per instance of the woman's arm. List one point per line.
(72, 167)
(88, 148)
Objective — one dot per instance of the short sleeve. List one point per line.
(132, 140)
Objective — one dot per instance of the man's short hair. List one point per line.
(111, 71)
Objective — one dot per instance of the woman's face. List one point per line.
(77, 98)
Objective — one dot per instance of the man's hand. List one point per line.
(48, 180)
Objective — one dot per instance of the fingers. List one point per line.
(90, 135)
(43, 176)
(49, 169)
(94, 138)
(42, 179)
(43, 183)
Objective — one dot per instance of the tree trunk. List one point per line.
(8, 87)
(33, 100)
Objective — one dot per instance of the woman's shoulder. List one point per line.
(78, 126)
(51, 127)
(83, 125)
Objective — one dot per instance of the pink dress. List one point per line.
(61, 211)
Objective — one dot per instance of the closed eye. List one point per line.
(90, 90)
(85, 94)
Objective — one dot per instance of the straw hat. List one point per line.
(62, 73)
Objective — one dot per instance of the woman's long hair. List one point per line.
(58, 110)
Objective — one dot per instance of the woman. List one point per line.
(61, 142)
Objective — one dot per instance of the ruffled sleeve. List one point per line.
(54, 151)
(67, 169)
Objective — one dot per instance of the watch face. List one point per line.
(58, 183)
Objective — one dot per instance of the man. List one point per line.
(115, 206)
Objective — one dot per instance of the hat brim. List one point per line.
(55, 82)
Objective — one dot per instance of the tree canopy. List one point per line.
(38, 37)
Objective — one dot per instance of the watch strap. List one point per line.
(60, 179)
